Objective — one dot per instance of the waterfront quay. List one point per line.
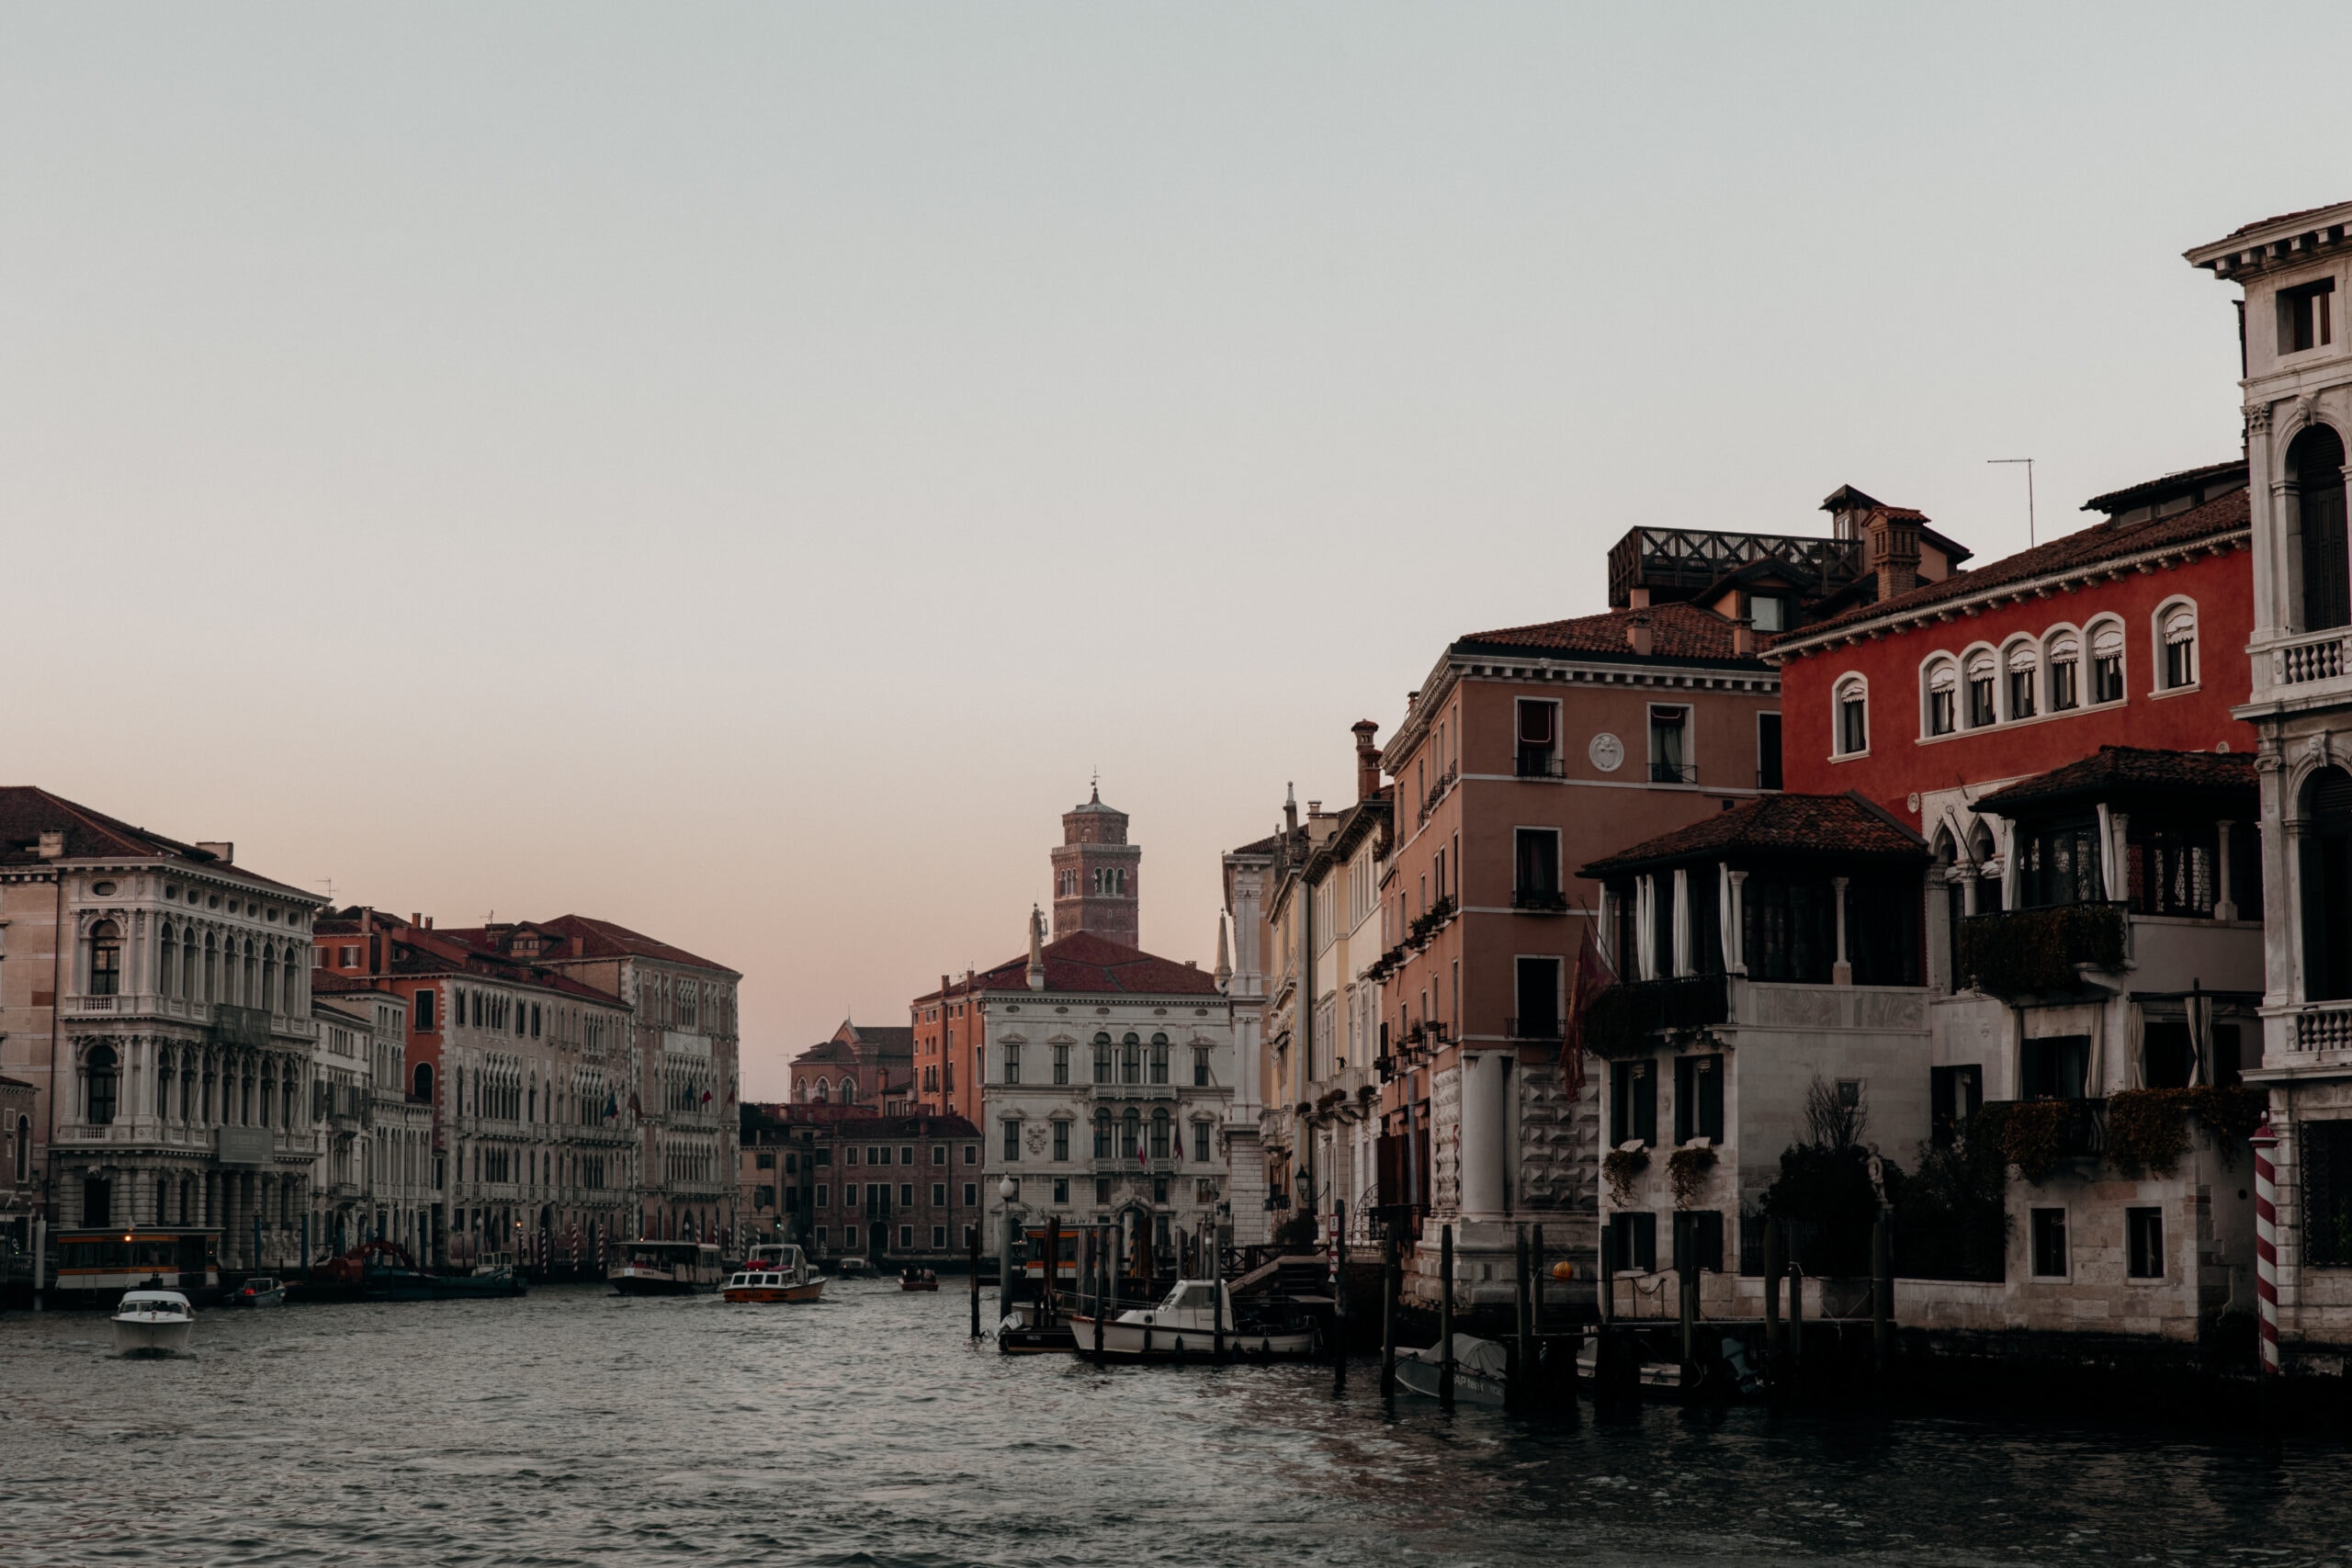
(575, 1426)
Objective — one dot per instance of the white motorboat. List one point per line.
(153, 1323)
(1197, 1320)
(666, 1269)
(778, 1272)
(1481, 1368)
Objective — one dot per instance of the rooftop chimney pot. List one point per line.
(1637, 634)
(226, 854)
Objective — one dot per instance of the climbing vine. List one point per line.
(1688, 1171)
(1623, 1167)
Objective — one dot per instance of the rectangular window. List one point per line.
(2050, 1244)
(1942, 718)
(1633, 1103)
(1061, 1190)
(2143, 1238)
(1201, 1142)
(971, 1194)
(2021, 693)
(939, 1238)
(1102, 1058)
(906, 1194)
(1013, 1065)
(1101, 1188)
(1538, 999)
(2107, 673)
(1791, 929)
(1061, 1064)
(763, 1160)
(1632, 1244)
(763, 1197)
(906, 1235)
(2181, 663)
(1980, 698)
(1853, 726)
(1200, 1066)
(939, 1154)
(1011, 1141)
(1768, 750)
(2326, 1151)
(1768, 612)
(878, 1157)
(2055, 1066)
(2062, 691)
(849, 1194)
(2060, 863)
(1700, 1231)
(821, 1238)
(1670, 746)
(1061, 1140)
(939, 1194)
(2165, 1053)
(424, 1012)
(1536, 870)
(971, 1154)
(906, 1154)
(2306, 317)
(822, 1200)
(1699, 1101)
(1954, 1095)
(1539, 740)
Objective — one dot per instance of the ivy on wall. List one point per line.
(2147, 1128)
(2032, 953)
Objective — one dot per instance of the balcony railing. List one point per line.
(1539, 762)
(1626, 1015)
(1540, 900)
(2022, 953)
(2324, 1026)
(1674, 773)
(2320, 656)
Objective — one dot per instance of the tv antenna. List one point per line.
(2028, 493)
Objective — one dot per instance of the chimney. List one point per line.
(52, 846)
(1367, 758)
(1891, 548)
(1639, 599)
(225, 854)
(1290, 808)
(1314, 809)
(1743, 638)
(414, 919)
(1638, 631)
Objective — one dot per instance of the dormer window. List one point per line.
(2304, 316)
(1768, 612)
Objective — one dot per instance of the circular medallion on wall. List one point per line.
(1607, 753)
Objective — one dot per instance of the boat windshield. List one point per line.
(1185, 1295)
(161, 1306)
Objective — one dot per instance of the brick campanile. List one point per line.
(1094, 875)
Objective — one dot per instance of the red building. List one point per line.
(861, 1067)
(2131, 632)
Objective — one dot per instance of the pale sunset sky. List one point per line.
(737, 469)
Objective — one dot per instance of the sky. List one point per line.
(739, 470)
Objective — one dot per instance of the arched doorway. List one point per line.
(2315, 472)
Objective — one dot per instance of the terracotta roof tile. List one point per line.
(1844, 825)
(2121, 769)
(27, 812)
(2101, 541)
(605, 939)
(1677, 631)
(1085, 962)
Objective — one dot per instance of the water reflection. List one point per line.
(576, 1427)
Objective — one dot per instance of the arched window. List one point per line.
(2177, 631)
(1103, 1135)
(24, 1150)
(268, 993)
(1102, 1058)
(1159, 1059)
(2315, 472)
(1980, 673)
(105, 959)
(2327, 848)
(2066, 673)
(849, 1089)
(1131, 1125)
(2024, 662)
(1131, 1059)
(2107, 661)
(98, 1086)
(252, 995)
(167, 950)
(1160, 1134)
(1852, 716)
(423, 1090)
(824, 1092)
(1943, 697)
(211, 968)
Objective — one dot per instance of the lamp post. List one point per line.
(1008, 1190)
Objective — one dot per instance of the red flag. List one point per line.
(1591, 976)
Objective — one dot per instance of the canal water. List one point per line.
(574, 1426)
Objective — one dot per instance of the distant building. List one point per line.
(378, 1174)
(20, 1182)
(1097, 875)
(860, 1066)
(892, 1189)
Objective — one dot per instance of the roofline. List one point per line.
(2252, 251)
(1869, 628)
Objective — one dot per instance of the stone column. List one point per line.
(1484, 1112)
(1683, 945)
(2224, 906)
(1736, 928)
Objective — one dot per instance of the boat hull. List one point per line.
(777, 1295)
(135, 1336)
(1416, 1376)
(1142, 1342)
(631, 1283)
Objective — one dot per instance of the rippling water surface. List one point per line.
(576, 1427)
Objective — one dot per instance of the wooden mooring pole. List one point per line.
(1776, 1338)
(1102, 1306)
(1522, 1280)
(1389, 1284)
(1339, 1297)
(1445, 1317)
(1882, 1302)
(976, 1281)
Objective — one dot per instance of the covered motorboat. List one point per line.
(1197, 1320)
(1481, 1369)
(153, 1323)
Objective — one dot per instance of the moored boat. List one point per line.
(1197, 1322)
(774, 1273)
(666, 1269)
(153, 1323)
(918, 1279)
(260, 1290)
(1481, 1369)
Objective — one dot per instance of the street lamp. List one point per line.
(1008, 1190)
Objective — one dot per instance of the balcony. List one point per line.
(2311, 657)
(1626, 1016)
(2035, 1134)
(1674, 773)
(1539, 762)
(1539, 900)
(2033, 953)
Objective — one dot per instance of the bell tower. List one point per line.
(1094, 875)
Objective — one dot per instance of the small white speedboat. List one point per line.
(1196, 1321)
(1481, 1369)
(151, 1323)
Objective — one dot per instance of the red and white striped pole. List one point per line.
(2266, 1243)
